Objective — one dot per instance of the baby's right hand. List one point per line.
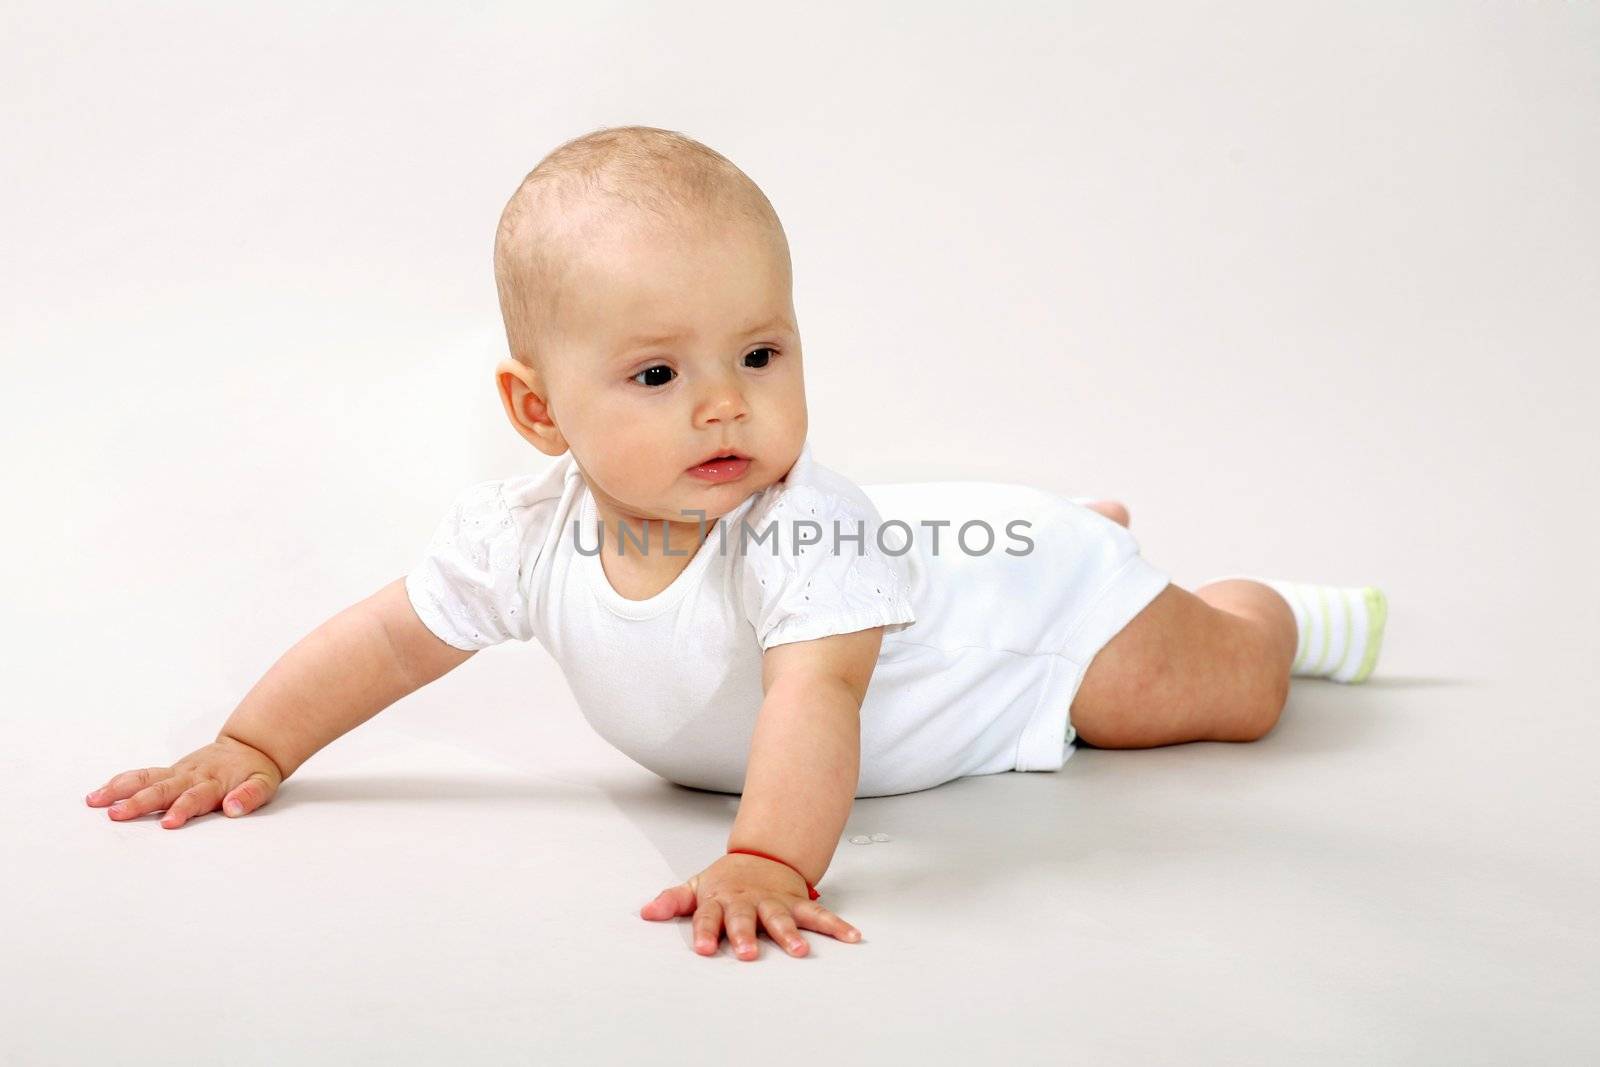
(226, 772)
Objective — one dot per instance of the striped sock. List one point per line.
(1340, 628)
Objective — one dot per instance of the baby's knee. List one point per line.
(1261, 701)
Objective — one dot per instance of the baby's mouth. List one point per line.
(724, 468)
(724, 457)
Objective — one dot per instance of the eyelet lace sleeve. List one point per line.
(822, 579)
(468, 586)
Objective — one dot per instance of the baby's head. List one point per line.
(645, 284)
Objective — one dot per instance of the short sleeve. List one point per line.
(822, 571)
(469, 586)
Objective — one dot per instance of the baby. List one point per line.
(786, 634)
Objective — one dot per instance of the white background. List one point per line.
(1311, 288)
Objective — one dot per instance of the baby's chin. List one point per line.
(694, 504)
(719, 500)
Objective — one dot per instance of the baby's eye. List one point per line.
(764, 359)
(658, 380)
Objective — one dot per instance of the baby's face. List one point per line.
(674, 346)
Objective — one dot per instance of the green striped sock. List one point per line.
(1340, 628)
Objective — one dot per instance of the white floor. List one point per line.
(1329, 314)
(1400, 873)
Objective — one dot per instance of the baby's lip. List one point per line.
(734, 452)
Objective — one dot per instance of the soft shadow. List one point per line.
(1417, 682)
(429, 788)
(968, 834)
(688, 827)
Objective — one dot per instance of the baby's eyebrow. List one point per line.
(643, 340)
(640, 340)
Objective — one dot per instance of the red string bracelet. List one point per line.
(752, 852)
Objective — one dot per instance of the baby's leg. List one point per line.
(1212, 665)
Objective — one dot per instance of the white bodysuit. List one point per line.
(983, 650)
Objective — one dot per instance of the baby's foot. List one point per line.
(1111, 509)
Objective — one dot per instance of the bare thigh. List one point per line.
(1182, 670)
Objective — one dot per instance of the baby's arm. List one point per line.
(800, 781)
(805, 755)
(336, 678)
(340, 675)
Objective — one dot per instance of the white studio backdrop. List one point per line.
(1312, 288)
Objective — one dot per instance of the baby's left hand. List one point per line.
(737, 889)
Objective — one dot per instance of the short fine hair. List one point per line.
(617, 175)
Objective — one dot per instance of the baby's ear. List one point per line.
(522, 394)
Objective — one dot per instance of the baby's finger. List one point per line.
(126, 784)
(707, 928)
(780, 927)
(196, 800)
(248, 795)
(740, 919)
(669, 903)
(151, 798)
(813, 916)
